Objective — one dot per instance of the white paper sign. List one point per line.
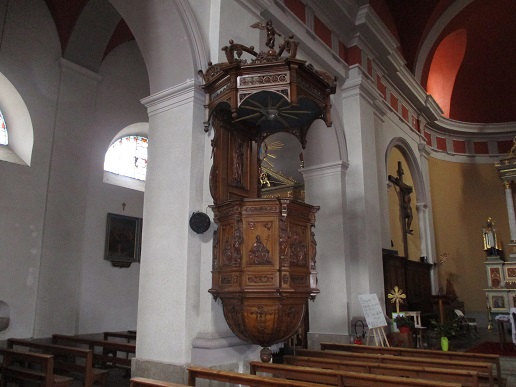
(373, 312)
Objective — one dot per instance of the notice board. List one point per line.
(373, 312)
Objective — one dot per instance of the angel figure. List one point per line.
(271, 32)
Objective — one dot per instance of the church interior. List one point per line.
(290, 157)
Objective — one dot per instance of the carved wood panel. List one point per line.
(234, 173)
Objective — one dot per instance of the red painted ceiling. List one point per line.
(66, 14)
(484, 88)
(485, 85)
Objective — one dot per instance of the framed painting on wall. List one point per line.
(498, 302)
(123, 240)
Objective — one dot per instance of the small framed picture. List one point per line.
(123, 240)
(498, 302)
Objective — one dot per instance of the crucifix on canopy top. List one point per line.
(404, 192)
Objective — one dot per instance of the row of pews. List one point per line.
(65, 358)
(359, 365)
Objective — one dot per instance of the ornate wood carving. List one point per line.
(271, 284)
(264, 256)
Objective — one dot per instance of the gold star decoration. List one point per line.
(397, 296)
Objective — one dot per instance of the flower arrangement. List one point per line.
(447, 329)
(403, 321)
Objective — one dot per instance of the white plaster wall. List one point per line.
(52, 228)
(108, 297)
(30, 48)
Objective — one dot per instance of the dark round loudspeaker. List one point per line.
(199, 222)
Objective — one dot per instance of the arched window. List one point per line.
(4, 139)
(125, 162)
(15, 146)
(128, 157)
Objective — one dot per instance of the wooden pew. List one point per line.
(105, 352)
(126, 335)
(465, 378)
(70, 359)
(195, 373)
(341, 378)
(484, 369)
(428, 353)
(143, 382)
(18, 366)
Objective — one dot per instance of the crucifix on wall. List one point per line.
(404, 192)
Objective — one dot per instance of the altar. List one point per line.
(501, 273)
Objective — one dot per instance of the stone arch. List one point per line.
(325, 145)
(156, 24)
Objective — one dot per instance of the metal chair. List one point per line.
(467, 322)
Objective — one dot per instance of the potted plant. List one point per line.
(404, 323)
(445, 330)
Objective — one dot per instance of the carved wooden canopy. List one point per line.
(269, 94)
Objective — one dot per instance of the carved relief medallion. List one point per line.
(259, 254)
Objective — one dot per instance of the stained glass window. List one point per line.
(4, 140)
(128, 157)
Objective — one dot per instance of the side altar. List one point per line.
(501, 284)
(501, 274)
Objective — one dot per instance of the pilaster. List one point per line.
(325, 185)
(168, 304)
(362, 121)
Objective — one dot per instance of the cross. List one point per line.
(405, 204)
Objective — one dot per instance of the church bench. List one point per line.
(127, 335)
(105, 352)
(485, 370)
(342, 378)
(142, 382)
(70, 359)
(465, 378)
(21, 366)
(428, 353)
(195, 373)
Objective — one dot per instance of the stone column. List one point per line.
(325, 185)
(168, 305)
(421, 216)
(428, 238)
(510, 210)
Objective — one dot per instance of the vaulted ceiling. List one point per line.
(461, 51)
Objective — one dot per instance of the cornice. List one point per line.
(184, 93)
(328, 169)
(448, 126)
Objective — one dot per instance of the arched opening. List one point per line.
(125, 163)
(15, 112)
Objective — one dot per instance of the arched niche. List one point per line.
(399, 158)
